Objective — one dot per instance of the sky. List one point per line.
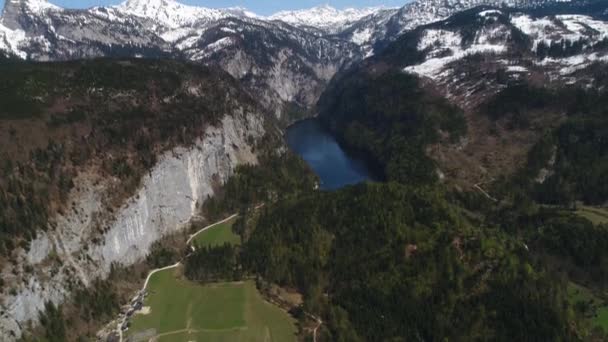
(262, 7)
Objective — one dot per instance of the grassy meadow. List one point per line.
(593, 214)
(217, 235)
(181, 310)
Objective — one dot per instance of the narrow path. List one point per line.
(121, 322)
(156, 271)
(478, 187)
(314, 332)
(210, 226)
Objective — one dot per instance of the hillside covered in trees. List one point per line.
(388, 261)
(111, 116)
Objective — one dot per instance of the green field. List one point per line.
(595, 215)
(218, 235)
(599, 308)
(181, 310)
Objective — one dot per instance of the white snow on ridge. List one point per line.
(433, 67)
(516, 68)
(174, 14)
(36, 6)
(439, 39)
(568, 27)
(446, 47)
(10, 41)
(572, 64)
(214, 47)
(174, 35)
(489, 13)
(361, 37)
(324, 16)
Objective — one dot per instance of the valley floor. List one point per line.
(177, 309)
(181, 310)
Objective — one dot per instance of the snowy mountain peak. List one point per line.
(241, 12)
(35, 6)
(15, 9)
(324, 16)
(169, 12)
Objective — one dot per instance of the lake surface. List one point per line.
(328, 160)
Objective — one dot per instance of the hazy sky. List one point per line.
(263, 7)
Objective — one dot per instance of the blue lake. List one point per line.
(328, 160)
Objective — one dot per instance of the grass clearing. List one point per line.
(181, 310)
(593, 214)
(598, 308)
(217, 235)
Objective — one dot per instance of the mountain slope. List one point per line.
(89, 149)
(286, 60)
(275, 62)
(281, 64)
(467, 59)
(382, 30)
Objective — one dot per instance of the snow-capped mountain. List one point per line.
(325, 18)
(483, 60)
(476, 53)
(172, 14)
(282, 64)
(423, 12)
(285, 59)
(385, 27)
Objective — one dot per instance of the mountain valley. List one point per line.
(123, 129)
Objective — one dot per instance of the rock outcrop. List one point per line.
(73, 253)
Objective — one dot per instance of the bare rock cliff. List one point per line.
(73, 253)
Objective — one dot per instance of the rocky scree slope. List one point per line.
(102, 158)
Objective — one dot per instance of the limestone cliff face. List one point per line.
(84, 242)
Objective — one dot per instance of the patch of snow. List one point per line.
(572, 64)
(10, 41)
(361, 37)
(445, 48)
(188, 42)
(228, 30)
(489, 13)
(516, 68)
(580, 23)
(110, 14)
(214, 47)
(567, 27)
(174, 35)
(439, 38)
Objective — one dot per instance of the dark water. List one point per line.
(320, 150)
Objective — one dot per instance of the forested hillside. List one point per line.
(390, 120)
(110, 116)
(387, 261)
(518, 222)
